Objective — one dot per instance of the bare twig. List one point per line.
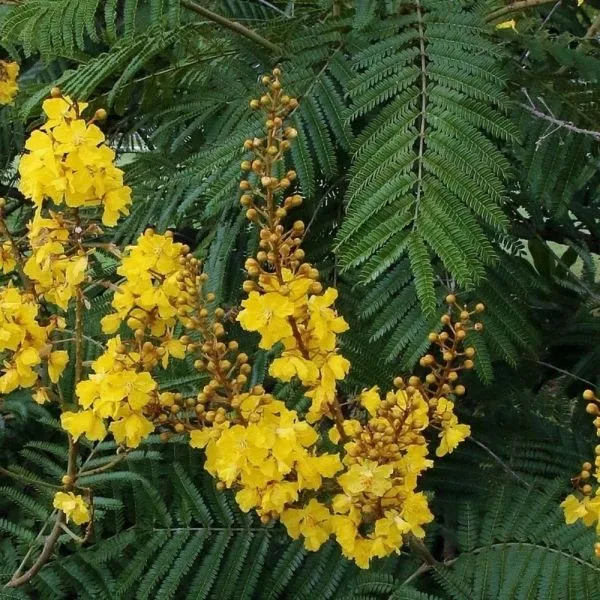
(560, 124)
(500, 462)
(514, 7)
(232, 25)
(44, 555)
(559, 370)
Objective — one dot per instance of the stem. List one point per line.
(16, 253)
(423, 115)
(232, 25)
(78, 337)
(419, 548)
(43, 557)
(18, 580)
(515, 6)
(105, 467)
(28, 479)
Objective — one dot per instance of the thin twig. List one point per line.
(423, 114)
(514, 7)
(105, 467)
(560, 124)
(44, 555)
(28, 480)
(422, 569)
(232, 25)
(500, 462)
(559, 370)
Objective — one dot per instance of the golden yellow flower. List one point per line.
(74, 507)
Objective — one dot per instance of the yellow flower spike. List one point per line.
(74, 507)
(68, 162)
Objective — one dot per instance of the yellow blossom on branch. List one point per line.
(74, 507)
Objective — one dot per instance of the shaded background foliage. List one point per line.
(435, 153)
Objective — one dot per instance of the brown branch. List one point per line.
(232, 25)
(560, 123)
(105, 467)
(43, 557)
(514, 7)
(593, 29)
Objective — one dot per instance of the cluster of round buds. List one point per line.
(588, 470)
(449, 358)
(259, 189)
(149, 354)
(396, 423)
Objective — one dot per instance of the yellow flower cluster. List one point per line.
(56, 274)
(68, 162)
(585, 504)
(365, 493)
(270, 457)
(360, 486)
(150, 297)
(24, 343)
(118, 389)
(9, 71)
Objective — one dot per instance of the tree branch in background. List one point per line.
(560, 124)
(232, 25)
(514, 7)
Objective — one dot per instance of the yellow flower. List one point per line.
(288, 366)
(73, 134)
(324, 322)
(371, 400)
(138, 388)
(84, 422)
(451, 436)
(573, 508)
(311, 521)
(41, 395)
(74, 507)
(368, 477)
(116, 203)
(60, 109)
(247, 498)
(110, 323)
(415, 511)
(268, 314)
(351, 428)
(57, 361)
(7, 258)
(512, 24)
(9, 72)
(131, 429)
